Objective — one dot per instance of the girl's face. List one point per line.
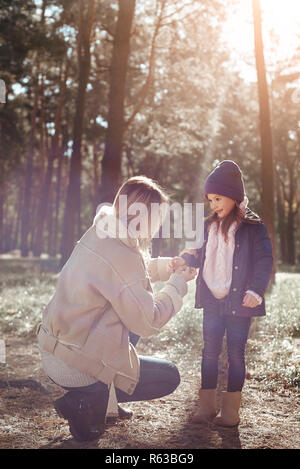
(220, 204)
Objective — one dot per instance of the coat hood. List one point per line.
(108, 225)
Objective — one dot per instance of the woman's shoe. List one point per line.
(207, 409)
(229, 413)
(123, 414)
(86, 418)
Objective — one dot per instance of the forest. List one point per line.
(97, 92)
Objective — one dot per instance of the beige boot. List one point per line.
(207, 409)
(229, 414)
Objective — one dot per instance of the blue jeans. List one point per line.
(158, 378)
(214, 327)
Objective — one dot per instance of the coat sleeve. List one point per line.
(143, 312)
(194, 260)
(262, 261)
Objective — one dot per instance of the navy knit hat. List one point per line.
(226, 179)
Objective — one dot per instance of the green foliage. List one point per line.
(283, 319)
(275, 349)
(24, 293)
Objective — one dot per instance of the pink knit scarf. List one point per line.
(217, 270)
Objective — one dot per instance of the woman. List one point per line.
(103, 293)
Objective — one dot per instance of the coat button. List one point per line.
(233, 312)
(234, 289)
(236, 267)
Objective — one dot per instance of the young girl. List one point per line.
(235, 265)
(103, 295)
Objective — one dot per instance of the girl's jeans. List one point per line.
(158, 378)
(237, 329)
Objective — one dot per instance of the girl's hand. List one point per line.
(250, 301)
(188, 273)
(175, 263)
(193, 252)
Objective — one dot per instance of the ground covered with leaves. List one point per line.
(270, 404)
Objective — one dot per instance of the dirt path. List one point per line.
(28, 420)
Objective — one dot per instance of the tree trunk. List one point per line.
(291, 251)
(291, 248)
(26, 212)
(50, 225)
(35, 195)
(52, 155)
(265, 131)
(72, 209)
(1, 220)
(25, 223)
(57, 202)
(17, 220)
(95, 175)
(111, 162)
(58, 189)
(281, 222)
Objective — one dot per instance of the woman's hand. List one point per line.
(188, 273)
(250, 301)
(175, 263)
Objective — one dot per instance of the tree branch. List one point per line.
(141, 95)
(192, 3)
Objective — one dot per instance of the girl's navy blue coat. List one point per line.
(251, 269)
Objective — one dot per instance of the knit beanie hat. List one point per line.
(226, 179)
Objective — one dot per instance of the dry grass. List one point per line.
(270, 406)
(28, 420)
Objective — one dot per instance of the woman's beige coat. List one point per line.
(103, 292)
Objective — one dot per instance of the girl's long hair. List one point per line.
(236, 215)
(141, 189)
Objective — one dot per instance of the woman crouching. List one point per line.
(102, 304)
